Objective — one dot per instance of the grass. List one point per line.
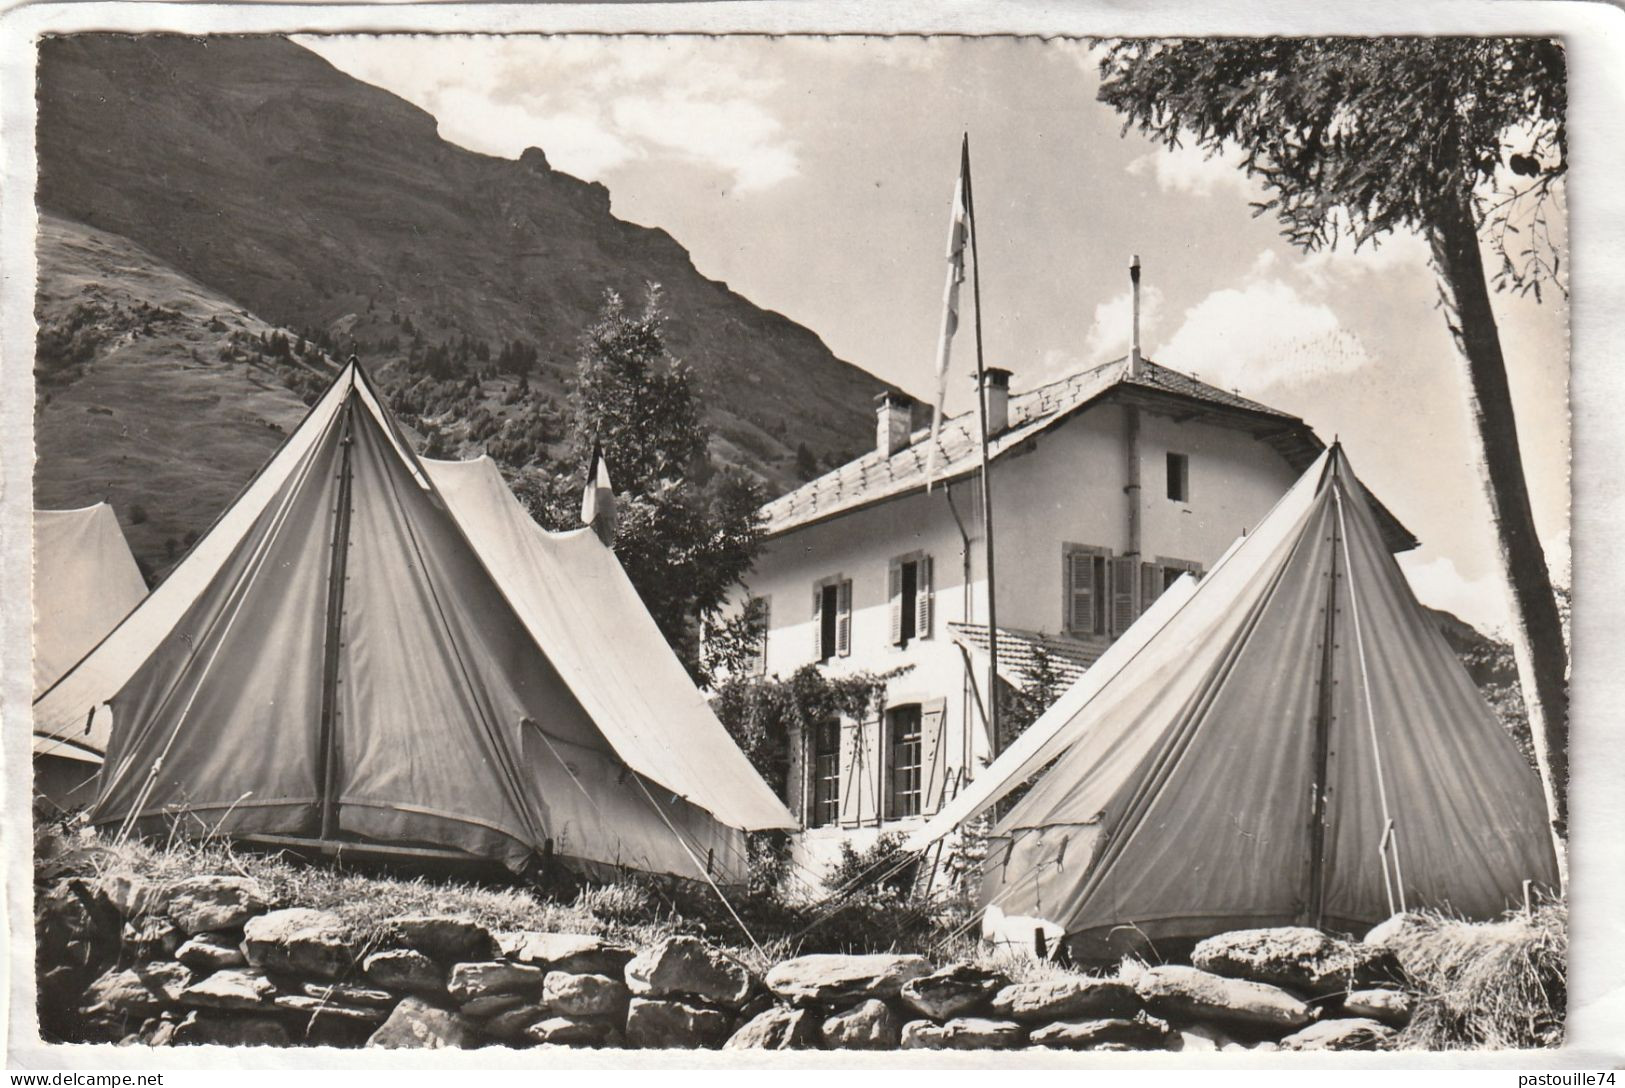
(1487, 985)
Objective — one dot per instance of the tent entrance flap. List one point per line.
(327, 736)
(1324, 709)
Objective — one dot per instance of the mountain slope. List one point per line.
(323, 203)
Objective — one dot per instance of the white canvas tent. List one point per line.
(85, 582)
(370, 648)
(1288, 741)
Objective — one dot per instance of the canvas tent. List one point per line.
(85, 582)
(1288, 741)
(373, 648)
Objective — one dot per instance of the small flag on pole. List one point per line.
(598, 500)
(958, 234)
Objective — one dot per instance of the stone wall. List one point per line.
(211, 960)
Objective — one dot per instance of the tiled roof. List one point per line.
(874, 476)
(1019, 650)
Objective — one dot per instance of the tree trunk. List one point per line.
(1537, 631)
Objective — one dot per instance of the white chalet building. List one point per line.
(1107, 484)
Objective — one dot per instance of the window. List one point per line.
(832, 618)
(1087, 595)
(903, 761)
(1179, 477)
(826, 775)
(909, 591)
(759, 612)
(1158, 577)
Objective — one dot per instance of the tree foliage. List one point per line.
(687, 530)
(1367, 135)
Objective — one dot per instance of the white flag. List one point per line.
(958, 234)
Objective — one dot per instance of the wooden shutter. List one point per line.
(764, 623)
(894, 601)
(923, 602)
(875, 772)
(843, 620)
(1150, 584)
(851, 769)
(1123, 586)
(798, 774)
(1080, 592)
(933, 755)
(818, 623)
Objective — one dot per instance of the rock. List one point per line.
(1193, 1042)
(1386, 934)
(405, 969)
(584, 995)
(829, 979)
(73, 910)
(1140, 1032)
(511, 1024)
(1356, 1034)
(445, 938)
(1297, 957)
(349, 995)
(575, 953)
(675, 1025)
(204, 1028)
(952, 991)
(1188, 993)
(1391, 1007)
(320, 1009)
(416, 1024)
(471, 980)
(210, 952)
(163, 1034)
(869, 1026)
(298, 941)
(1077, 998)
(688, 967)
(150, 937)
(133, 896)
(964, 1033)
(138, 991)
(483, 1008)
(574, 1031)
(230, 988)
(204, 904)
(777, 1028)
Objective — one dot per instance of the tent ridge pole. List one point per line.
(1323, 726)
(327, 768)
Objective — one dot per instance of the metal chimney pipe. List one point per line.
(1134, 290)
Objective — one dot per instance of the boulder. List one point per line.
(1391, 1007)
(510, 1024)
(471, 980)
(416, 1024)
(318, 1009)
(1187, 993)
(483, 1008)
(778, 1028)
(1140, 1032)
(298, 941)
(210, 952)
(952, 991)
(574, 1031)
(1297, 957)
(230, 988)
(830, 979)
(223, 1029)
(871, 1025)
(575, 953)
(150, 937)
(139, 990)
(446, 938)
(133, 896)
(1072, 998)
(1352, 1034)
(964, 1033)
(584, 995)
(346, 994)
(205, 904)
(75, 910)
(688, 967)
(405, 969)
(675, 1025)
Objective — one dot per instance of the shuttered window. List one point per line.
(832, 619)
(1155, 578)
(825, 761)
(910, 598)
(904, 765)
(1087, 575)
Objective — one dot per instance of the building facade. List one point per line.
(1107, 485)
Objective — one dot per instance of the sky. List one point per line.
(814, 176)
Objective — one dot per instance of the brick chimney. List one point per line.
(894, 418)
(996, 395)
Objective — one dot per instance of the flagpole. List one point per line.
(987, 484)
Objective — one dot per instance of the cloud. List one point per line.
(1438, 584)
(1190, 171)
(1111, 331)
(1264, 333)
(1398, 253)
